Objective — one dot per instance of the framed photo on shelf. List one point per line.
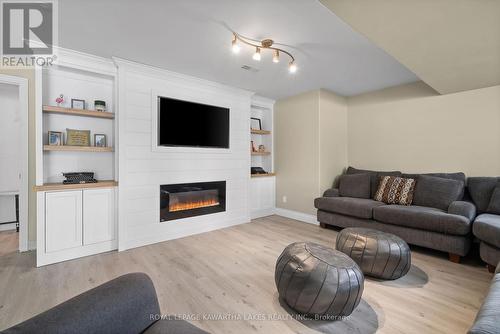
(55, 138)
(99, 140)
(77, 137)
(255, 123)
(77, 104)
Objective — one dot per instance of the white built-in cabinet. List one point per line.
(78, 218)
(63, 220)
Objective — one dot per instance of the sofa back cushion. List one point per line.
(494, 205)
(481, 189)
(395, 190)
(355, 185)
(437, 192)
(374, 177)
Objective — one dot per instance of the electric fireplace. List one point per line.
(191, 199)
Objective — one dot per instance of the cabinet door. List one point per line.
(98, 215)
(63, 220)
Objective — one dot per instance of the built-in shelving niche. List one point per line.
(84, 85)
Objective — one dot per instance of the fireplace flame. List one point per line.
(192, 205)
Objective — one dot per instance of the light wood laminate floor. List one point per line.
(231, 272)
(9, 242)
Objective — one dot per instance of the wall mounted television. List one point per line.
(190, 124)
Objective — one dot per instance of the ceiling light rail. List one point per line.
(259, 46)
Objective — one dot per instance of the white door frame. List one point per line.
(22, 84)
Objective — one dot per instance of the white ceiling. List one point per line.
(192, 37)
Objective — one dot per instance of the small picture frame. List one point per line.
(55, 138)
(255, 123)
(77, 104)
(100, 140)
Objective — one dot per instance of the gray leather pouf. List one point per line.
(318, 281)
(379, 254)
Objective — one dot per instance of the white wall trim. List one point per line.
(84, 61)
(22, 84)
(177, 77)
(304, 217)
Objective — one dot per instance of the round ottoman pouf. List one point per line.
(318, 281)
(379, 254)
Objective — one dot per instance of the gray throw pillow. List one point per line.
(436, 192)
(375, 177)
(494, 206)
(355, 185)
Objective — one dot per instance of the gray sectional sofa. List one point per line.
(488, 318)
(485, 193)
(439, 218)
(126, 305)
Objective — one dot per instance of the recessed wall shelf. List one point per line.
(263, 175)
(261, 153)
(62, 186)
(260, 132)
(77, 148)
(78, 112)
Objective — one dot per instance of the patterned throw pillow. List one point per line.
(395, 190)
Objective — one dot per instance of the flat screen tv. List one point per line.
(189, 124)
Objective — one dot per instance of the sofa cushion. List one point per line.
(459, 176)
(355, 185)
(422, 218)
(374, 177)
(486, 227)
(356, 207)
(481, 189)
(494, 205)
(395, 190)
(436, 192)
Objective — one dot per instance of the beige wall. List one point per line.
(30, 75)
(304, 165)
(411, 128)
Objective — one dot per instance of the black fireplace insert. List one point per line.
(191, 199)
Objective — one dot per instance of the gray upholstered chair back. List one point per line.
(480, 190)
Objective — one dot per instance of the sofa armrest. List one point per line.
(462, 208)
(332, 192)
(489, 313)
(127, 304)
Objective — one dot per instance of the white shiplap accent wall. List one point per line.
(142, 169)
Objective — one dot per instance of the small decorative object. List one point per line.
(99, 140)
(77, 104)
(262, 148)
(255, 123)
(77, 137)
(252, 146)
(100, 105)
(79, 177)
(60, 100)
(55, 138)
(257, 170)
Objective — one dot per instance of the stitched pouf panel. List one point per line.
(317, 280)
(379, 254)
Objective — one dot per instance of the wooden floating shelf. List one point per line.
(263, 175)
(78, 112)
(61, 186)
(261, 153)
(260, 132)
(77, 148)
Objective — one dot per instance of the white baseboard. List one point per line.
(303, 217)
(262, 213)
